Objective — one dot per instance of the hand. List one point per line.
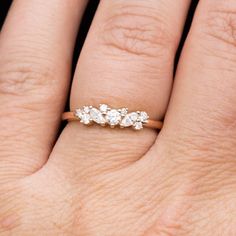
(111, 182)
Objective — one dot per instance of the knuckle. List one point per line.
(134, 31)
(221, 24)
(19, 78)
(28, 79)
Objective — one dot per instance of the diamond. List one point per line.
(106, 115)
(134, 116)
(97, 116)
(143, 116)
(123, 111)
(138, 125)
(78, 113)
(113, 117)
(103, 108)
(127, 120)
(85, 119)
(86, 109)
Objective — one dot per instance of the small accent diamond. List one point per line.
(138, 125)
(103, 108)
(143, 116)
(86, 109)
(123, 111)
(113, 117)
(85, 119)
(78, 113)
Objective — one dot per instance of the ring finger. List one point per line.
(127, 60)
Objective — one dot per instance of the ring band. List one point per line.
(105, 115)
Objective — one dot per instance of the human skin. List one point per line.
(110, 182)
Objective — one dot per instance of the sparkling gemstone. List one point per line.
(138, 125)
(86, 109)
(97, 116)
(113, 117)
(123, 111)
(103, 108)
(143, 116)
(127, 121)
(134, 116)
(85, 119)
(78, 113)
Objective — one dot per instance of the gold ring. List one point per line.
(107, 116)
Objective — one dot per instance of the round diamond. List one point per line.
(138, 125)
(113, 117)
(86, 109)
(78, 113)
(97, 116)
(123, 111)
(143, 116)
(103, 108)
(85, 119)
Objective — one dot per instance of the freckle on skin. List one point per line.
(9, 222)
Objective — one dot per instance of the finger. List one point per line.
(202, 113)
(36, 45)
(127, 61)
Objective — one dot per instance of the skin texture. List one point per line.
(103, 182)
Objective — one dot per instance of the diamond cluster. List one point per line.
(104, 115)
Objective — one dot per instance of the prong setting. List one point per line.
(105, 115)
